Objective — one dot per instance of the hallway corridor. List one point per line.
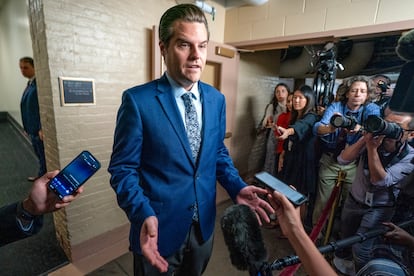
(39, 254)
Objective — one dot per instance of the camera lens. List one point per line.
(348, 122)
(337, 120)
(374, 124)
(378, 126)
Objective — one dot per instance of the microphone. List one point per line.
(244, 240)
(403, 95)
(405, 46)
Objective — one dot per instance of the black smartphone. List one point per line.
(76, 173)
(275, 184)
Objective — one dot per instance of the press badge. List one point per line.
(369, 198)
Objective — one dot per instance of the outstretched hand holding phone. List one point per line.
(290, 222)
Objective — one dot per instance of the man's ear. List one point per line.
(162, 48)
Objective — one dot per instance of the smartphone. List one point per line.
(75, 174)
(275, 184)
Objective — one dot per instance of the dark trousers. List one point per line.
(39, 150)
(190, 260)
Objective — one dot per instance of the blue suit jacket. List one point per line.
(153, 173)
(29, 108)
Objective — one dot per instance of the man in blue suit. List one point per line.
(29, 108)
(167, 191)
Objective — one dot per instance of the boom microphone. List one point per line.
(405, 46)
(403, 95)
(244, 240)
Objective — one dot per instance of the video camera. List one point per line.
(377, 126)
(348, 122)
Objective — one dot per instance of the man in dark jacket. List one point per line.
(29, 108)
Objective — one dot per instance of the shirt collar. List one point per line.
(178, 90)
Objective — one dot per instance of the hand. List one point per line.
(269, 122)
(288, 215)
(356, 129)
(320, 110)
(285, 132)
(149, 244)
(371, 142)
(397, 235)
(41, 136)
(41, 200)
(280, 162)
(248, 196)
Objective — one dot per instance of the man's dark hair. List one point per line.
(386, 78)
(183, 12)
(27, 60)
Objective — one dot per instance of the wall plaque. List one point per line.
(76, 91)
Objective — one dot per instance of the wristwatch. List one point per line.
(24, 218)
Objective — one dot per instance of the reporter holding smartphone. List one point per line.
(291, 225)
(23, 219)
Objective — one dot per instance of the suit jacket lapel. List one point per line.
(169, 106)
(208, 107)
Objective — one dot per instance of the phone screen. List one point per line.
(275, 184)
(76, 173)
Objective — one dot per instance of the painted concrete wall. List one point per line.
(279, 18)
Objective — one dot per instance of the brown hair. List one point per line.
(184, 12)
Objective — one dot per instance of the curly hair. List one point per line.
(347, 84)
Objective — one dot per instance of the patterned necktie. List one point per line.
(192, 126)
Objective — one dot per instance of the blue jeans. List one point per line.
(381, 267)
(359, 219)
(39, 150)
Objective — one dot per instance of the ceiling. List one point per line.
(239, 3)
(377, 56)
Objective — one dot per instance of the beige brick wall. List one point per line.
(294, 17)
(255, 90)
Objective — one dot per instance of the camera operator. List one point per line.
(383, 91)
(384, 161)
(340, 125)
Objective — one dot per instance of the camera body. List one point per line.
(348, 122)
(378, 126)
(383, 86)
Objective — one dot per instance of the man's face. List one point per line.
(391, 145)
(376, 81)
(26, 69)
(357, 95)
(186, 53)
